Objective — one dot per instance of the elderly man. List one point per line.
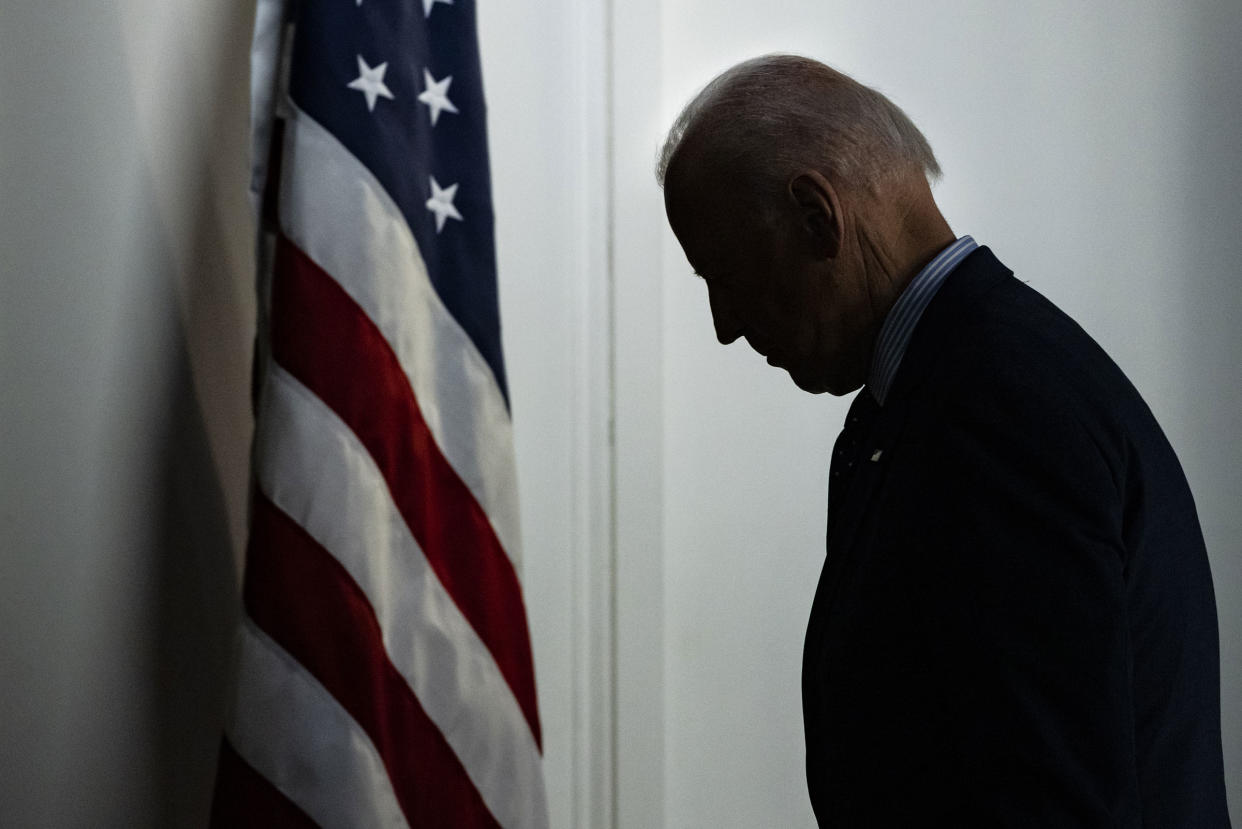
(1015, 624)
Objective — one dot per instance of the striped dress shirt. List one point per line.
(899, 325)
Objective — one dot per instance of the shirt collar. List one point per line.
(890, 345)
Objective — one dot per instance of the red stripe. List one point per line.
(322, 337)
(302, 597)
(244, 798)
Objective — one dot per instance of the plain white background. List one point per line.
(672, 490)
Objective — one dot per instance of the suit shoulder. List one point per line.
(1015, 343)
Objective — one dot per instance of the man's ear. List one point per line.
(819, 213)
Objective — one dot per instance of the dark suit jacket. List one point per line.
(1015, 625)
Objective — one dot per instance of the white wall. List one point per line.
(125, 321)
(672, 489)
(1094, 148)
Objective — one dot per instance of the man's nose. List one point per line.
(728, 328)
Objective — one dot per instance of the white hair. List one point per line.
(767, 118)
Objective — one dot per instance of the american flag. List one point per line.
(384, 668)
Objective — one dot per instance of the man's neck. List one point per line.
(894, 250)
(895, 253)
(920, 234)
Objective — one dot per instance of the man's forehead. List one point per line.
(713, 254)
(701, 230)
(704, 201)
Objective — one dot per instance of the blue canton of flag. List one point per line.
(417, 120)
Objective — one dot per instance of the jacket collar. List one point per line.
(953, 304)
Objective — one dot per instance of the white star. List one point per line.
(427, 4)
(441, 203)
(436, 96)
(370, 82)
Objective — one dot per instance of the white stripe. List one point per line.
(294, 733)
(342, 218)
(265, 54)
(314, 468)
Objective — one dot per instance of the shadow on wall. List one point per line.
(203, 452)
(1211, 288)
(194, 615)
(119, 587)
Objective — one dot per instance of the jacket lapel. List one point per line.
(975, 275)
(872, 461)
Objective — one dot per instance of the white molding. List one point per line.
(592, 603)
(617, 467)
(635, 81)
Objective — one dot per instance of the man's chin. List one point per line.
(818, 384)
(809, 384)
